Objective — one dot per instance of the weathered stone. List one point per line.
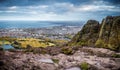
(73, 68)
(46, 60)
(29, 61)
(87, 36)
(109, 34)
(104, 35)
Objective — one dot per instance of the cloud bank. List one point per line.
(54, 10)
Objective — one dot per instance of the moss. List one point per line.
(43, 51)
(84, 66)
(82, 43)
(116, 55)
(29, 50)
(99, 43)
(67, 51)
(55, 60)
(111, 47)
(91, 42)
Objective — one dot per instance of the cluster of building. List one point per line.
(57, 32)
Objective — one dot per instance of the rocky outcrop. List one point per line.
(109, 34)
(80, 60)
(88, 35)
(105, 35)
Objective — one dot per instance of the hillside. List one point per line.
(88, 34)
(82, 52)
(105, 35)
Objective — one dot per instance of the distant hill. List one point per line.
(105, 35)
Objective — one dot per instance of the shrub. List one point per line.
(16, 46)
(116, 55)
(82, 43)
(67, 51)
(29, 47)
(84, 66)
(55, 60)
(99, 43)
(43, 51)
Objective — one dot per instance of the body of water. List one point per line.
(36, 24)
(7, 47)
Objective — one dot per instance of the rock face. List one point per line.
(105, 35)
(109, 34)
(88, 35)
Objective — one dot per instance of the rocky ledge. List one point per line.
(80, 60)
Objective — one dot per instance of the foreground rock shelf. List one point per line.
(29, 61)
(74, 68)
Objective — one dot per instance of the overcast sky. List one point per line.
(58, 10)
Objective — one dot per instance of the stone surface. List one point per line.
(30, 61)
(104, 35)
(109, 34)
(73, 68)
(88, 34)
(46, 60)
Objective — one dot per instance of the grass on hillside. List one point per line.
(25, 42)
(5, 42)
